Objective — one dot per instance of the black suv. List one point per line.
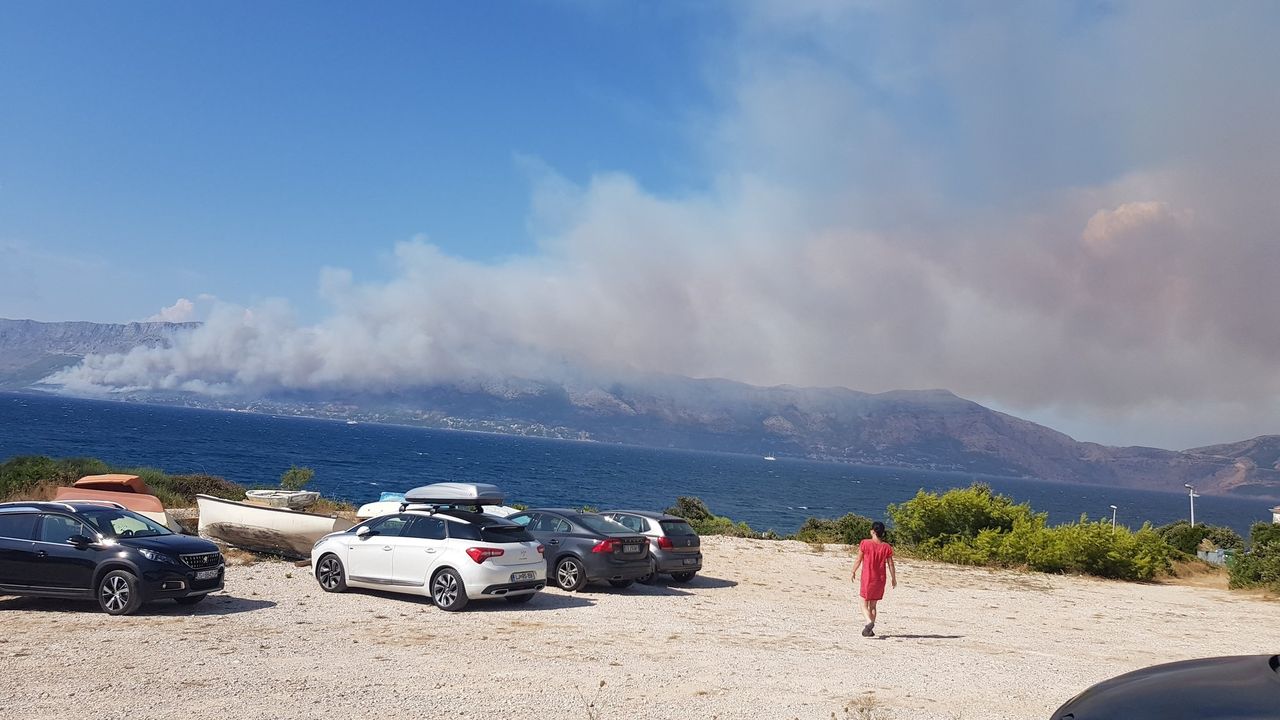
(100, 550)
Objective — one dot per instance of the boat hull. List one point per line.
(277, 531)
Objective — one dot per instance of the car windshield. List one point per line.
(505, 534)
(595, 523)
(676, 528)
(113, 523)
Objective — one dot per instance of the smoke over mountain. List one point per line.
(1053, 213)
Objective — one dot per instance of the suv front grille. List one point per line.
(202, 561)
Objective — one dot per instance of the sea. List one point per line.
(356, 462)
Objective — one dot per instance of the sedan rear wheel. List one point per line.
(570, 575)
(447, 591)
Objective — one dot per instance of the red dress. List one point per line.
(875, 562)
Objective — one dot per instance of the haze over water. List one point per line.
(357, 462)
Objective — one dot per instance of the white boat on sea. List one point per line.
(265, 529)
(770, 457)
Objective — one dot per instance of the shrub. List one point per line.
(957, 514)
(1260, 567)
(295, 478)
(1182, 536)
(974, 526)
(849, 530)
(699, 516)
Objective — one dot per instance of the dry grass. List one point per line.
(1197, 573)
(45, 490)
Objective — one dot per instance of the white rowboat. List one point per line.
(265, 529)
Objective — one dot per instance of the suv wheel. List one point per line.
(570, 575)
(448, 592)
(330, 574)
(118, 593)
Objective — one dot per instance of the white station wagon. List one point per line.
(439, 546)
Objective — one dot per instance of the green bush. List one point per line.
(699, 516)
(22, 474)
(956, 514)
(1260, 567)
(974, 526)
(850, 530)
(1184, 537)
(296, 478)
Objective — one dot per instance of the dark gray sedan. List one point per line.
(674, 548)
(583, 547)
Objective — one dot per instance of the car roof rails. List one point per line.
(104, 503)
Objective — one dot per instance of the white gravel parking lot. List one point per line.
(770, 630)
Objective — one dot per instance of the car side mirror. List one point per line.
(79, 541)
(364, 532)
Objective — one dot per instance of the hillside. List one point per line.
(30, 350)
(926, 429)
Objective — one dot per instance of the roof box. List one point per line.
(453, 493)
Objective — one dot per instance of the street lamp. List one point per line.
(1191, 495)
(1113, 518)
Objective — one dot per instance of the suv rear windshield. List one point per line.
(675, 528)
(503, 533)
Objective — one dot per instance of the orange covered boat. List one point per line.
(127, 490)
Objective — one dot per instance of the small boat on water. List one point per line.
(292, 499)
(770, 457)
(260, 528)
(130, 491)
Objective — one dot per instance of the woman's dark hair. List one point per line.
(877, 527)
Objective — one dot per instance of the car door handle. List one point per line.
(41, 553)
(386, 547)
(553, 542)
(431, 550)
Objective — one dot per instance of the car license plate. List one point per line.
(527, 575)
(691, 561)
(630, 548)
(206, 574)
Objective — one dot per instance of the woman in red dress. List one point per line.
(874, 557)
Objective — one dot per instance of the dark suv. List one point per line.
(99, 550)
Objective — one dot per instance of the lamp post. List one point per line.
(1113, 518)
(1191, 495)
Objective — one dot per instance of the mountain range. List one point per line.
(924, 429)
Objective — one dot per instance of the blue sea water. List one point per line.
(357, 462)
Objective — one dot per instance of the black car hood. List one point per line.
(1243, 687)
(170, 544)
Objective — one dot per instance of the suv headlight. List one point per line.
(154, 556)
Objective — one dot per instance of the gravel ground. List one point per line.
(770, 631)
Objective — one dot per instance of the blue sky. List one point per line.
(236, 149)
(1064, 210)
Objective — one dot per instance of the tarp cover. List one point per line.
(114, 483)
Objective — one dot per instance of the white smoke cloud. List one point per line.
(1071, 218)
(181, 311)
